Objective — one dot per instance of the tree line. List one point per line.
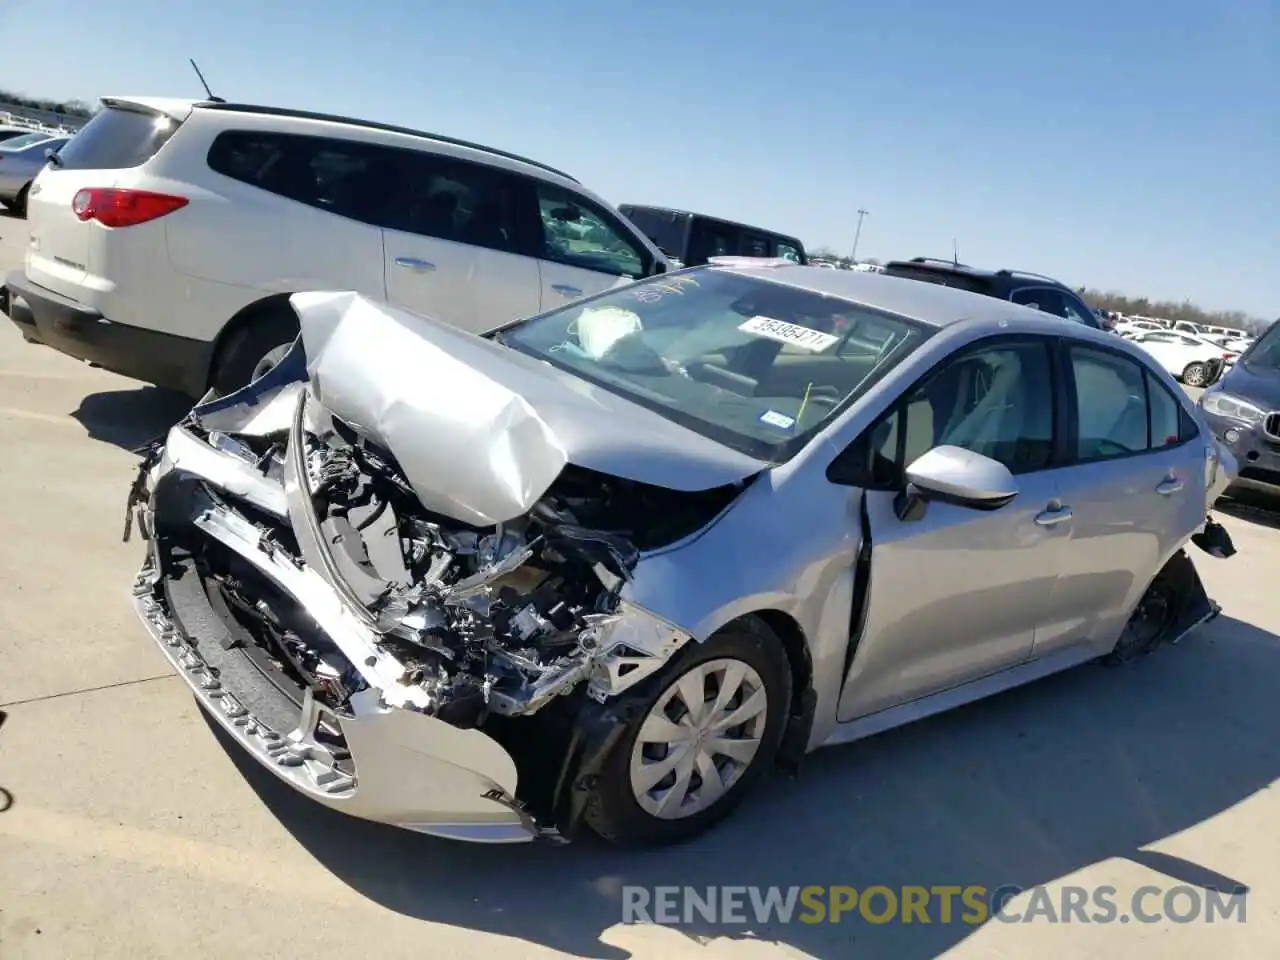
(69, 108)
(1168, 310)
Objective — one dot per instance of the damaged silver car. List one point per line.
(611, 564)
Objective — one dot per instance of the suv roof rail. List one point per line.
(383, 127)
(1029, 275)
(938, 260)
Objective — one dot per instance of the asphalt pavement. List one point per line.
(129, 828)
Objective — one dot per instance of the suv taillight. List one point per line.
(113, 207)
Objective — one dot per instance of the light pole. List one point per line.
(853, 254)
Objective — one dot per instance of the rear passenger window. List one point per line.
(578, 236)
(344, 177)
(1168, 419)
(116, 139)
(453, 200)
(1112, 417)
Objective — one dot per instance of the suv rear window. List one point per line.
(117, 138)
(946, 278)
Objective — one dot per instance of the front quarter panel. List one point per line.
(787, 544)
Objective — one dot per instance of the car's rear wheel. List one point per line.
(253, 349)
(709, 729)
(1195, 374)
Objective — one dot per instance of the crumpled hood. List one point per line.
(480, 430)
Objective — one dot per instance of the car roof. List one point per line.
(938, 265)
(927, 303)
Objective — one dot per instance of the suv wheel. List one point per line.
(253, 349)
(1195, 375)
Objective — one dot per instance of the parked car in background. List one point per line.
(1029, 289)
(27, 139)
(1130, 327)
(9, 131)
(20, 165)
(1193, 360)
(692, 239)
(654, 541)
(1243, 408)
(167, 241)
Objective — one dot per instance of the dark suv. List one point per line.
(1032, 289)
(1244, 411)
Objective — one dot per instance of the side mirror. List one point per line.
(957, 476)
(566, 214)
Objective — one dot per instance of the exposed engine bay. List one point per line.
(495, 619)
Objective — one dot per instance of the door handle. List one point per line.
(1053, 516)
(566, 290)
(410, 263)
(1169, 487)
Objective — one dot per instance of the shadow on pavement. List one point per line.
(129, 418)
(1021, 789)
(1252, 507)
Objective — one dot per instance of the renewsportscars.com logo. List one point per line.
(941, 903)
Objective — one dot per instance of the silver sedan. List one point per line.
(19, 165)
(612, 564)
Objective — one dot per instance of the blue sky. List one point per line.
(1129, 144)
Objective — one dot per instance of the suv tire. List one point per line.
(254, 348)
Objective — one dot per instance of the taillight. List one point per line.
(123, 208)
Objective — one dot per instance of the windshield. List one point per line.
(1264, 353)
(756, 365)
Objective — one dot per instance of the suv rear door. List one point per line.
(455, 243)
(122, 135)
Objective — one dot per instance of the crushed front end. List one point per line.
(391, 662)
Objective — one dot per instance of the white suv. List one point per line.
(167, 235)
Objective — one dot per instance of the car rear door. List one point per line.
(583, 248)
(61, 250)
(958, 593)
(456, 244)
(1134, 490)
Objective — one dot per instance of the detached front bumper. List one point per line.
(382, 760)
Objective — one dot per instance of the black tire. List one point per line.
(245, 348)
(19, 205)
(1195, 375)
(612, 811)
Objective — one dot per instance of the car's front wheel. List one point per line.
(709, 729)
(1195, 374)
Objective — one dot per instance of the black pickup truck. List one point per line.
(691, 239)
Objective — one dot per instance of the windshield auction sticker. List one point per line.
(792, 333)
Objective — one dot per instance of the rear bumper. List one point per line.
(82, 332)
(1257, 455)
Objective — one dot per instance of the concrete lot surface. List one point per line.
(131, 830)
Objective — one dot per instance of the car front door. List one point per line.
(583, 249)
(1134, 490)
(957, 594)
(453, 245)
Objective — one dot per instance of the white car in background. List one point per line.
(1193, 360)
(167, 238)
(1129, 328)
